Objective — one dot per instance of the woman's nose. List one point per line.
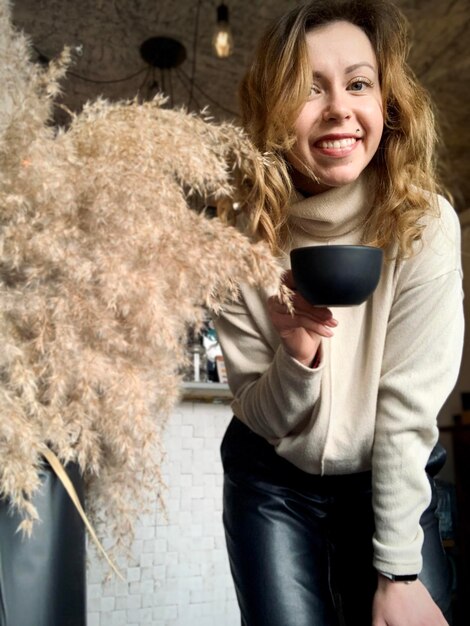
(336, 107)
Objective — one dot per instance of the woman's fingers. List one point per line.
(319, 314)
(309, 324)
(301, 326)
(303, 309)
(315, 320)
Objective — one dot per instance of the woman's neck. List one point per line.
(306, 185)
(334, 214)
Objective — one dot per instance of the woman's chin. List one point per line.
(316, 180)
(337, 179)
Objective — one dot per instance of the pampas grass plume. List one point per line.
(103, 269)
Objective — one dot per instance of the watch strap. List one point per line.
(400, 578)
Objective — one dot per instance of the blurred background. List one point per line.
(179, 59)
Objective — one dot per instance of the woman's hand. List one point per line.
(401, 604)
(302, 331)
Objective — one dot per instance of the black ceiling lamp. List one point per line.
(164, 54)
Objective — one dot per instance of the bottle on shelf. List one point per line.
(195, 369)
(211, 344)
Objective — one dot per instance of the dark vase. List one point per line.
(43, 578)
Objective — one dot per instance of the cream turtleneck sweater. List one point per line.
(373, 401)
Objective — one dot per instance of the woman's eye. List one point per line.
(314, 90)
(360, 84)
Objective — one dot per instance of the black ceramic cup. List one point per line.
(336, 275)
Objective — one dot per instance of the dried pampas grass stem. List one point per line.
(103, 268)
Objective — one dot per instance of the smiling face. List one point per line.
(339, 128)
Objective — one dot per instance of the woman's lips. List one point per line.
(336, 143)
(336, 146)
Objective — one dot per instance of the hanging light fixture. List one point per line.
(222, 40)
(165, 54)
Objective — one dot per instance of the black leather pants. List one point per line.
(300, 546)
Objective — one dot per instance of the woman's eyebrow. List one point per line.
(349, 69)
(353, 68)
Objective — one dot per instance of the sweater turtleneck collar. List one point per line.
(335, 213)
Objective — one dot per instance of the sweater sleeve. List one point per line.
(273, 393)
(420, 367)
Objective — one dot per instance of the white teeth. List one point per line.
(337, 143)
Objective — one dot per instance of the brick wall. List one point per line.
(179, 574)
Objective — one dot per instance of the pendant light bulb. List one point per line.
(222, 40)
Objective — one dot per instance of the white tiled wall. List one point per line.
(180, 574)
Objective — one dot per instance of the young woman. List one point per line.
(329, 500)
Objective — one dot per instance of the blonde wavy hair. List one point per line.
(276, 86)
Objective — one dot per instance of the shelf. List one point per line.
(206, 392)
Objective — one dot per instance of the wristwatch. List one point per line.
(400, 578)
